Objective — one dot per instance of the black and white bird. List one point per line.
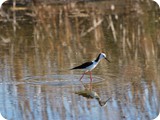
(89, 66)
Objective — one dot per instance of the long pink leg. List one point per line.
(82, 76)
(90, 80)
(81, 80)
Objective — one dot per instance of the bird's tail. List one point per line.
(72, 68)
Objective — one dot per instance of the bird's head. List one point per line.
(1, 2)
(102, 55)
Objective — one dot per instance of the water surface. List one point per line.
(39, 46)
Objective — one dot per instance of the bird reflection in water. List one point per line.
(90, 94)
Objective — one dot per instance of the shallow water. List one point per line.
(40, 45)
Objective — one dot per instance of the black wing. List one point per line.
(84, 65)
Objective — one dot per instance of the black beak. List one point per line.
(107, 59)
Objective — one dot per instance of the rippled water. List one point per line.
(39, 46)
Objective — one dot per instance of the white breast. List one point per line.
(91, 67)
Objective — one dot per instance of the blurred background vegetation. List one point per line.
(41, 39)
